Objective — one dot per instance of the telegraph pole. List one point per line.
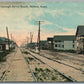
(31, 36)
(11, 36)
(8, 38)
(39, 36)
(27, 41)
(38, 39)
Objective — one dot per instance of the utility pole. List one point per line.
(11, 36)
(8, 38)
(27, 41)
(31, 36)
(38, 39)
(39, 36)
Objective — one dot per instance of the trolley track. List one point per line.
(59, 62)
(29, 67)
(75, 73)
(68, 78)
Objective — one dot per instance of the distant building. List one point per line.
(80, 39)
(4, 44)
(43, 44)
(49, 43)
(64, 42)
(31, 45)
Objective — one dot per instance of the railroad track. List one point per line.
(62, 74)
(59, 62)
(29, 67)
(4, 73)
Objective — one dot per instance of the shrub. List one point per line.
(47, 70)
(53, 78)
(2, 59)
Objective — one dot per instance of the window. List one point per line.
(42, 44)
(55, 45)
(59, 41)
(62, 46)
(55, 41)
(73, 46)
(0, 47)
(62, 41)
(59, 45)
(49, 41)
(73, 41)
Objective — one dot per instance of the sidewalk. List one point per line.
(18, 70)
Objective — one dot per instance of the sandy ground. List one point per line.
(18, 71)
(74, 74)
(73, 59)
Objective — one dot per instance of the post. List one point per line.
(27, 41)
(39, 36)
(8, 38)
(11, 36)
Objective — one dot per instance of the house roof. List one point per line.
(80, 30)
(4, 40)
(64, 37)
(50, 39)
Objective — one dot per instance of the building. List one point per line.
(34, 44)
(4, 44)
(31, 45)
(80, 39)
(64, 42)
(43, 44)
(50, 43)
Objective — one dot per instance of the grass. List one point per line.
(82, 64)
(71, 51)
(8, 71)
(35, 73)
(30, 58)
(2, 59)
(47, 70)
(58, 58)
(4, 54)
(44, 74)
(41, 69)
(48, 75)
(83, 73)
(38, 63)
(53, 78)
(25, 52)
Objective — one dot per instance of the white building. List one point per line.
(64, 42)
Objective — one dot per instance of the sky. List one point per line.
(58, 18)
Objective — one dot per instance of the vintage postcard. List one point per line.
(42, 41)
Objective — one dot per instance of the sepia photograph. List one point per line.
(42, 41)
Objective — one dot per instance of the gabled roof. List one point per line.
(50, 39)
(4, 40)
(80, 30)
(64, 37)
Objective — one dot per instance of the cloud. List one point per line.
(58, 19)
(80, 13)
